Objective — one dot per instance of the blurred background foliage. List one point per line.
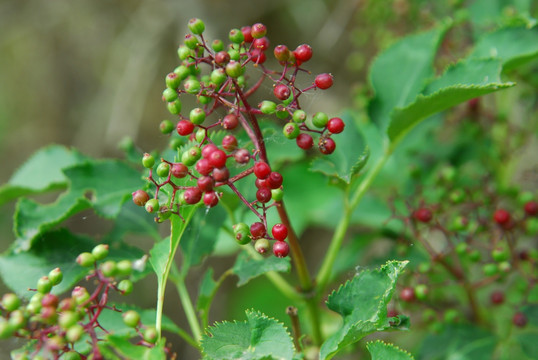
(89, 74)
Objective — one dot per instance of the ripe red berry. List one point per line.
(261, 170)
(423, 215)
(324, 81)
(261, 183)
(264, 195)
(303, 52)
(184, 127)
(247, 30)
(211, 199)
(192, 195)
(258, 30)
(140, 197)
(281, 249)
(222, 58)
(257, 230)
(261, 43)
(208, 150)
(282, 53)
(336, 125)
(280, 232)
(242, 156)
(258, 56)
(501, 217)
(218, 158)
(326, 145)
(205, 183)
(519, 319)
(531, 208)
(304, 141)
(407, 294)
(221, 174)
(230, 122)
(179, 170)
(281, 91)
(497, 297)
(274, 180)
(229, 143)
(204, 167)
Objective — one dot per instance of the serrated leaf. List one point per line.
(362, 303)
(461, 82)
(260, 337)
(349, 156)
(132, 220)
(128, 350)
(383, 351)
(40, 173)
(247, 268)
(399, 73)
(513, 45)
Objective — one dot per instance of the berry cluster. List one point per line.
(56, 325)
(217, 76)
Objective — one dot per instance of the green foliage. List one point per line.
(247, 269)
(127, 350)
(382, 351)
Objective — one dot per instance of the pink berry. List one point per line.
(258, 30)
(303, 52)
(280, 232)
(257, 230)
(261, 170)
(247, 33)
(218, 158)
(281, 249)
(261, 183)
(211, 199)
(423, 215)
(326, 145)
(264, 195)
(230, 122)
(497, 297)
(282, 92)
(222, 58)
(304, 141)
(203, 166)
(140, 197)
(258, 56)
(336, 125)
(208, 150)
(282, 53)
(324, 81)
(184, 127)
(179, 170)
(407, 294)
(519, 319)
(242, 156)
(261, 43)
(229, 143)
(192, 195)
(205, 183)
(221, 174)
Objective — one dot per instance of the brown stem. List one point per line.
(295, 326)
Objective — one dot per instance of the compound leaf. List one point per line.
(362, 303)
(260, 337)
(383, 351)
(247, 268)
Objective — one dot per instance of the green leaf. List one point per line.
(128, 350)
(247, 268)
(207, 289)
(383, 351)
(399, 73)
(461, 82)
(257, 338)
(362, 303)
(132, 219)
(40, 173)
(513, 45)
(349, 157)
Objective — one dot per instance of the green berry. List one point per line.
(151, 335)
(461, 248)
(10, 302)
(17, 319)
(80, 294)
(100, 251)
(277, 194)
(424, 267)
(196, 26)
(74, 333)
(124, 267)
(191, 41)
(282, 113)
(200, 135)
(218, 76)
(217, 45)
(291, 130)
(182, 72)
(451, 315)
(236, 36)
(6, 330)
(125, 286)
(166, 126)
(71, 355)
(85, 259)
(174, 107)
(500, 253)
(148, 161)
(475, 256)
(531, 226)
(163, 169)
(197, 116)
(164, 212)
(299, 116)
(504, 266)
(108, 268)
(241, 233)
(267, 107)
(152, 205)
(68, 319)
(183, 52)
(320, 119)
(457, 196)
(234, 69)
(204, 100)
(234, 54)
(176, 142)
(131, 318)
(169, 95)
(173, 80)
(421, 291)
(261, 245)
(190, 156)
(192, 86)
(490, 269)
(56, 276)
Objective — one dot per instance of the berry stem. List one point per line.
(186, 302)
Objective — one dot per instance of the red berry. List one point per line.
(264, 195)
(258, 56)
(204, 167)
(140, 197)
(274, 180)
(192, 195)
(221, 174)
(423, 215)
(324, 81)
(304, 141)
(222, 58)
(282, 53)
(179, 170)
(502, 217)
(303, 52)
(336, 125)
(497, 297)
(211, 199)
(280, 232)
(230, 122)
(261, 170)
(247, 30)
(258, 30)
(281, 249)
(531, 208)
(218, 158)
(261, 183)
(184, 127)
(519, 319)
(407, 294)
(282, 92)
(257, 230)
(205, 183)
(208, 150)
(242, 156)
(229, 143)
(326, 145)
(261, 43)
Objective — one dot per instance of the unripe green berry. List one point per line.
(80, 294)
(163, 169)
(291, 130)
(56, 276)
(131, 318)
(217, 45)
(299, 116)
(85, 259)
(451, 315)
(125, 286)
(320, 119)
(152, 205)
(173, 80)
(148, 161)
(504, 266)
(151, 335)
(236, 36)
(218, 76)
(475, 256)
(267, 107)
(182, 72)
(74, 333)
(192, 86)
(241, 233)
(234, 69)
(169, 95)
(500, 253)
(424, 267)
(164, 212)
(166, 126)
(490, 269)
(17, 319)
(174, 107)
(461, 248)
(421, 291)
(44, 285)
(282, 113)
(457, 196)
(71, 355)
(234, 54)
(196, 26)
(68, 319)
(6, 330)
(108, 268)
(10, 302)
(204, 100)
(197, 116)
(100, 251)
(261, 245)
(37, 298)
(124, 267)
(190, 156)
(200, 135)
(277, 194)
(191, 41)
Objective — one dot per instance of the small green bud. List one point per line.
(217, 45)
(421, 291)
(200, 135)
(68, 319)
(191, 41)
(80, 294)
(173, 80)
(182, 72)
(490, 269)
(6, 330)
(100, 251)
(150, 335)
(74, 333)
(183, 52)
(204, 100)
(17, 320)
